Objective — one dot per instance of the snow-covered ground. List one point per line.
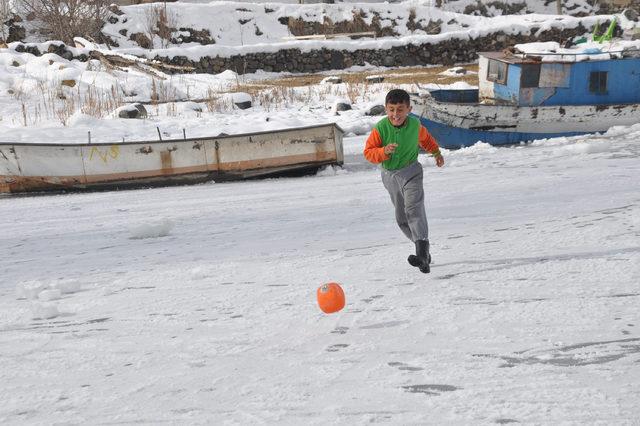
(196, 304)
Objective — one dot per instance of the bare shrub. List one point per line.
(64, 20)
(98, 103)
(162, 92)
(172, 109)
(154, 92)
(161, 23)
(353, 90)
(5, 13)
(24, 114)
(357, 23)
(65, 110)
(214, 102)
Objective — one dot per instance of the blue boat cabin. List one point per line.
(544, 80)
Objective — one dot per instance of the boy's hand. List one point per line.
(390, 149)
(439, 160)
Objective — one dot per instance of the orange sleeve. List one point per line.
(373, 150)
(427, 142)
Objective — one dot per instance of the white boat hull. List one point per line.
(40, 167)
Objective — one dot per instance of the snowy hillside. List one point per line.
(196, 305)
(247, 24)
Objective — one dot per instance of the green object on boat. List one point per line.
(608, 35)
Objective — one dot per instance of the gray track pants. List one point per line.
(407, 195)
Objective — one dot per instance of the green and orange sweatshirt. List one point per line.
(408, 137)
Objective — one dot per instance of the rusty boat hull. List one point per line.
(35, 167)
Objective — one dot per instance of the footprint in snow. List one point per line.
(337, 347)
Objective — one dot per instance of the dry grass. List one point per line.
(282, 92)
(413, 75)
(62, 102)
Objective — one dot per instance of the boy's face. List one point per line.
(397, 113)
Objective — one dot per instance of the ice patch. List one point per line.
(151, 230)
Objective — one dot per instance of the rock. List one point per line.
(68, 83)
(113, 8)
(342, 106)
(242, 100)
(133, 111)
(631, 15)
(434, 27)
(142, 40)
(388, 61)
(16, 33)
(243, 105)
(376, 110)
(33, 50)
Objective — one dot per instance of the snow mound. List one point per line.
(44, 311)
(479, 148)
(199, 273)
(67, 286)
(49, 295)
(30, 289)
(331, 171)
(151, 230)
(239, 97)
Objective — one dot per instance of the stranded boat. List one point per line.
(538, 91)
(26, 167)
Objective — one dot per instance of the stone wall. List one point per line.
(445, 53)
(293, 60)
(617, 6)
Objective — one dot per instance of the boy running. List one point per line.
(394, 143)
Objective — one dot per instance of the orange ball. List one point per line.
(330, 297)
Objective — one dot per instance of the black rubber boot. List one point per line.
(422, 258)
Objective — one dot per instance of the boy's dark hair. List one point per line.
(397, 96)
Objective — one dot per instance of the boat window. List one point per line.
(598, 82)
(497, 71)
(530, 76)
